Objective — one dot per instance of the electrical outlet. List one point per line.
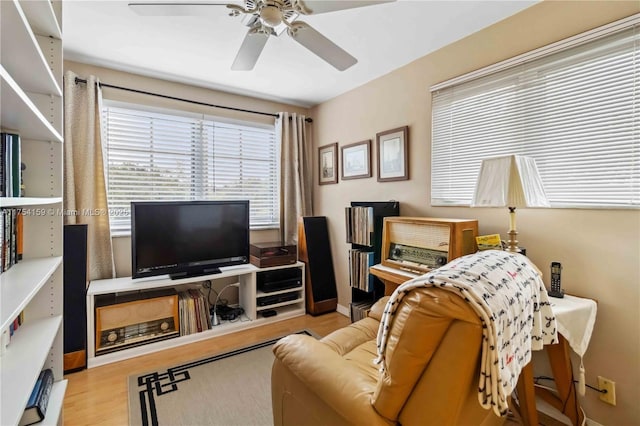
(610, 387)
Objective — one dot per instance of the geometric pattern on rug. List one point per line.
(153, 386)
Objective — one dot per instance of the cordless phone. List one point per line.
(556, 286)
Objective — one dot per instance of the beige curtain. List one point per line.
(84, 179)
(296, 173)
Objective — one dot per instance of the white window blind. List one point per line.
(160, 157)
(577, 112)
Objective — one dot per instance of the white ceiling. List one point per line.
(199, 50)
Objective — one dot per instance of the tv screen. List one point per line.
(188, 238)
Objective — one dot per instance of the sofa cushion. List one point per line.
(323, 370)
(348, 338)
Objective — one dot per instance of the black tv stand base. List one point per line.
(194, 274)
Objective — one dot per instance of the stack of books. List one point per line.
(8, 333)
(11, 237)
(360, 310)
(359, 263)
(194, 312)
(359, 222)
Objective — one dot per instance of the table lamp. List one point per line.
(510, 181)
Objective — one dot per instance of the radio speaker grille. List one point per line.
(433, 237)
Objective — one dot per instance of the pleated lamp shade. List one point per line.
(510, 181)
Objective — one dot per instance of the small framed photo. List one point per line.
(393, 147)
(328, 164)
(356, 160)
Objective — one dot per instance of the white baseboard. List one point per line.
(345, 311)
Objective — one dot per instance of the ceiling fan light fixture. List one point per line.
(271, 15)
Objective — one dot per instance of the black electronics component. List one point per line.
(279, 279)
(269, 313)
(276, 298)
(228, 313)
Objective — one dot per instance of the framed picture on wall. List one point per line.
(393, 146)
(356, 160)
(328, 164)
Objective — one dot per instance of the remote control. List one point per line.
(556, 284)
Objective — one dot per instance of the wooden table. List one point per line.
(575, 317)
(391, 277)
(566, 400)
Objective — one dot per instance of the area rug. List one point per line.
(233, 388)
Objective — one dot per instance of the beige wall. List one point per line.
(599, 249)
(122, 245)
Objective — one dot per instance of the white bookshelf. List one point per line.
(21, 283)
(42, 18)
(246, 275)
(20, 54)
(20, 113)
(21, 364)
(31, 202)
(31, 106)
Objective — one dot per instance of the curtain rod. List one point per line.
(111, 86)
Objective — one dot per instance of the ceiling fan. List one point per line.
(267, 18)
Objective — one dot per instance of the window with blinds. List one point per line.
(159, 157)
(576, 111)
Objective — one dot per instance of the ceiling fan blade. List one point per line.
(324, 6)
(250, 50)
(322, 46)
(159, 8)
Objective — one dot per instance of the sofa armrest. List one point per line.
(330, 376)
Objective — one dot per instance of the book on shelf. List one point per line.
(193, 308)
(11, 237)
(9, 331)
(19, 235)
(36, 408)
(360, 310)
(10, 165)
(359, 263)
(489, 242)
(2, 164)
(359, 224)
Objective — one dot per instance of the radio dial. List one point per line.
(164, 326)
(441, 260)
(397, 252)
(112, 337)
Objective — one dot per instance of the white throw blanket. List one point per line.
(507, 293)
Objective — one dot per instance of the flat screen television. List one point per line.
(188, 238)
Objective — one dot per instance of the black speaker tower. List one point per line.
(314, 249)
(75, 301)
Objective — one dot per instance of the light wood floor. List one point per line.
(98, 396)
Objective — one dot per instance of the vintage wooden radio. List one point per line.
(124, 321)
(420, 244)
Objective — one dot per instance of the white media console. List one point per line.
(245, 275)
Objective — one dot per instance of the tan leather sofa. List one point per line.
(432, 374)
